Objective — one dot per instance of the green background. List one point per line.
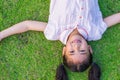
(30, 56)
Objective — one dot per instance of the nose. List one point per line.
(77, 46)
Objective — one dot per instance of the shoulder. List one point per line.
(96, 31)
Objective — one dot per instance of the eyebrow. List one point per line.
(83, 53)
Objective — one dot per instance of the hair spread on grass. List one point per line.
(94, 71)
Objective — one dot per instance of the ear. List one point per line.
(64, 50)
(90, 49)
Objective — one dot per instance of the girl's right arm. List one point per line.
(23, 27)
(112, 20)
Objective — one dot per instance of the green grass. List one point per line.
(30, 56)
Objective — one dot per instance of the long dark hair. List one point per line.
(94, 72)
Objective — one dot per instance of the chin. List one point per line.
(76, 37)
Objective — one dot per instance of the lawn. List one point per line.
(30, 56)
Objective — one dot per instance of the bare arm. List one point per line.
(23, 27)
(112, 20)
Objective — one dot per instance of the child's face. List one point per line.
(77, 49)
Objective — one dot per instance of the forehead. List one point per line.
(77, 57)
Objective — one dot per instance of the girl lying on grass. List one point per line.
(73, 22)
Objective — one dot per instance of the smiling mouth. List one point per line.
(76, 41)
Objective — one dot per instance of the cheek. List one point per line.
(84, 46)
(68, 47)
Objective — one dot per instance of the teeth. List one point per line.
(76, 41)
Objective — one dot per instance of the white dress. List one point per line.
(66, 15)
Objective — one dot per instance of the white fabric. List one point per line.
(66, 15)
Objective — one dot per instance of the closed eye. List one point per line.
(71, 52)
(82, 51)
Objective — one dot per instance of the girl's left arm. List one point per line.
(112, 20)
(23, 27)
